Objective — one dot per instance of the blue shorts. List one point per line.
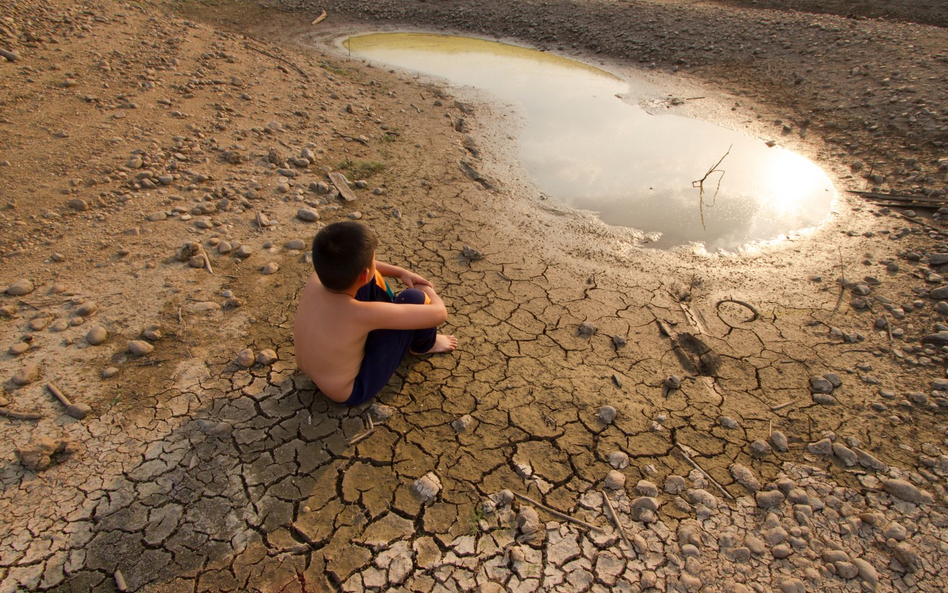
(386, 348)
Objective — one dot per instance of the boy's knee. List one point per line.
(411, 296)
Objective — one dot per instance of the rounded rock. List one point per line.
(307, 215)
(618, 460)
(140, 347)
(270, 268)
(97, 335)
(607, 414)
(109, 372)
(673, 382)
(86, 309)
(266, 357)
(245, 358)
(615, 480)
(26, 375)
(20, 288)
(295, 245)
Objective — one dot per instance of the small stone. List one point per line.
(140, 347)
(895, 530)
(615, 480)
(245, 358)
(905, 490)
(26, 375)
(607, 414)
(822, 447)
(790, 585)
(646, 488)
(224, 248)
(244, 251)
(619, 460)
(674, 484)
(295, 245)
(528, 521)
(673, 382)
(820, 385)
(427, 487)
(769, 498)
(462, 424)
(618, 341)
(728, 422)
(86, 309)
(471, 254)
(266, 357)
(866, 571)
(759, 448)
(40, 453)
(270, 269)
(781, 551)
(20, 288)
(779, 441)
(97, 335)
(18, 348)
(109, 372)
(745, 477)
(586, 329)
(307, 215)
(381, 412)
(834, 379)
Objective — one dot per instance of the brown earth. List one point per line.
(129, 130)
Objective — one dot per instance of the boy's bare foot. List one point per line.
(442, 343)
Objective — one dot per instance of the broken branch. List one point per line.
(20, 415)
(706, 474)
(361, 437)
(319, 19)
(781, 406)
(556, 513)
(615, 519)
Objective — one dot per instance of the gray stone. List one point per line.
(781, 551)
(528, 521)
(759, 448)
(606, 414)
(646, 488)
(674, 484)
(822, 447)
(97, 335)
(140, 347)
(86, 309)
(743, 476)
(270, 269)
(618, 460)
(845, 454)
(779, 441)
(673, 382)
(426, 487)
(938, 339)
(266, 357)
(940, 293)
(834, 379)
(768, 499)
(820, 385)
(728, 422)
(26, 375)
(906, 491)
(586, 329)
(792, 585)
(462, 424)
(867, 572)
(245, 358)
(20, 288)
(615, 480)
(895, 530)
(295, 244)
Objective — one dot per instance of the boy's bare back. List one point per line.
(329, 346)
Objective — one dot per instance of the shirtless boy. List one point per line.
(351, 332)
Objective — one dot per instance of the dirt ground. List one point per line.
(159, 162)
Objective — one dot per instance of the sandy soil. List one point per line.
(156, 163)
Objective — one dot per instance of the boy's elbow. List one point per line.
(442, 315)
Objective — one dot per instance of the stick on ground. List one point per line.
(706, 474)
(20, 415)
(556, 513)
(615, 519)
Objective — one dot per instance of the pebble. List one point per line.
(895, 530)
(140, 347)
(728, 422)
(381, 412)
(779, 441)
(528, 521)
(770, 498)
(270, 268)
(743, 476)
(673, 382)
(26, 375)
(97, 335)
(20, 288)
(606, 414)
(18, 348)
(109, 372)
(619, 460)
(646, 488)
(86, 309)
(224, 248)
(266, 357)
(867, 572)
(462, 424)
(905, 490)
(615, 480)
(820, 385)
(759, 448)
(245, 358)
(674, 484)
(618, 341)
(586, 329)
(428, 486)
(780, 552)
(244, 251)
(295, 244)
(307, 215)
(822, 447)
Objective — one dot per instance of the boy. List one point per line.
(351, 332)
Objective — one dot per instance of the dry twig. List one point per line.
(20, 415)
(556, 513)
(699, 183)
(706, 474)
(615, 519)
(781, 406)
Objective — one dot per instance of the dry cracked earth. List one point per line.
(773, 420)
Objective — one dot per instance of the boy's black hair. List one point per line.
(341, 251)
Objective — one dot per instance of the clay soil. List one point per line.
(154, 162)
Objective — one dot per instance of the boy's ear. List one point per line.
(364, 276)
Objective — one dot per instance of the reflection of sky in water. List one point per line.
(586, 147)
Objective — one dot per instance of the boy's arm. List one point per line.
(409, 279)
(378, 315)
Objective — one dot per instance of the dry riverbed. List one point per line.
(773, 420)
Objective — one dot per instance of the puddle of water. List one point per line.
(595, 151)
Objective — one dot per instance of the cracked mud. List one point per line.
(777, 418)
